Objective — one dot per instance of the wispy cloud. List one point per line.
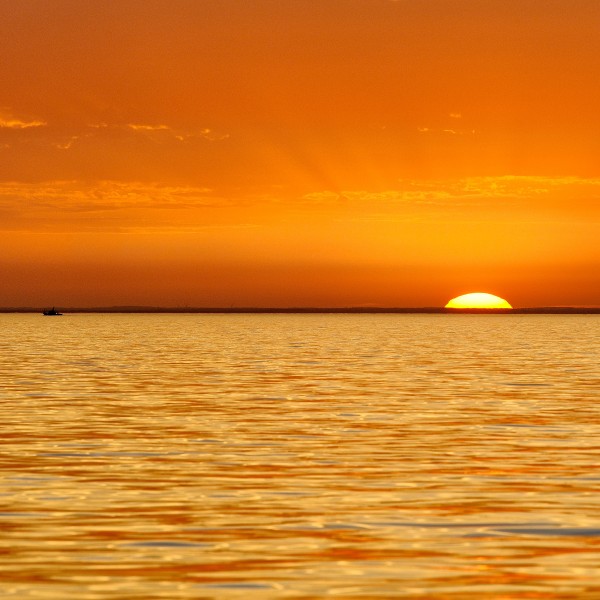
(179, 134)
(103, 195)
(65, 137)
(103, 205)
(539, 193)
(137, 206)
(9, 121)
(211, 135)
(449, 131)
(67, 144)
(447, 126)
(141, 127)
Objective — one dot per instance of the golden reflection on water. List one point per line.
(300, 456)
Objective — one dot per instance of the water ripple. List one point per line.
(219, 456)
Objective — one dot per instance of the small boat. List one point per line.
(52, 313)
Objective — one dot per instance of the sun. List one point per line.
(478, 300)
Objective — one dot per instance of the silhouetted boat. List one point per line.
(52, 313)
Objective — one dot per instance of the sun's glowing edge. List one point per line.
(478, 300)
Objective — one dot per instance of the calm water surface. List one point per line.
(299, 456)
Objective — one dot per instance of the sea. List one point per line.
(199, 456)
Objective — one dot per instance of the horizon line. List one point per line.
(309, 309)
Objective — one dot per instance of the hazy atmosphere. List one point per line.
(299, 153)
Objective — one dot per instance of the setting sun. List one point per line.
(478, 300)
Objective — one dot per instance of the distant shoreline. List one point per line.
(549, 310)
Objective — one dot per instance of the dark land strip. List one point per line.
(543, 310)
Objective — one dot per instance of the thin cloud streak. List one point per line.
(178, 134)
(9, 121)
(474, 188)
(66, 137)
(137, 206)
(81, 196)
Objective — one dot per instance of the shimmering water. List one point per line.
(299, 456)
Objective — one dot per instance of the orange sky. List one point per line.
(299, 152)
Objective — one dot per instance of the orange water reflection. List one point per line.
(360, 456)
